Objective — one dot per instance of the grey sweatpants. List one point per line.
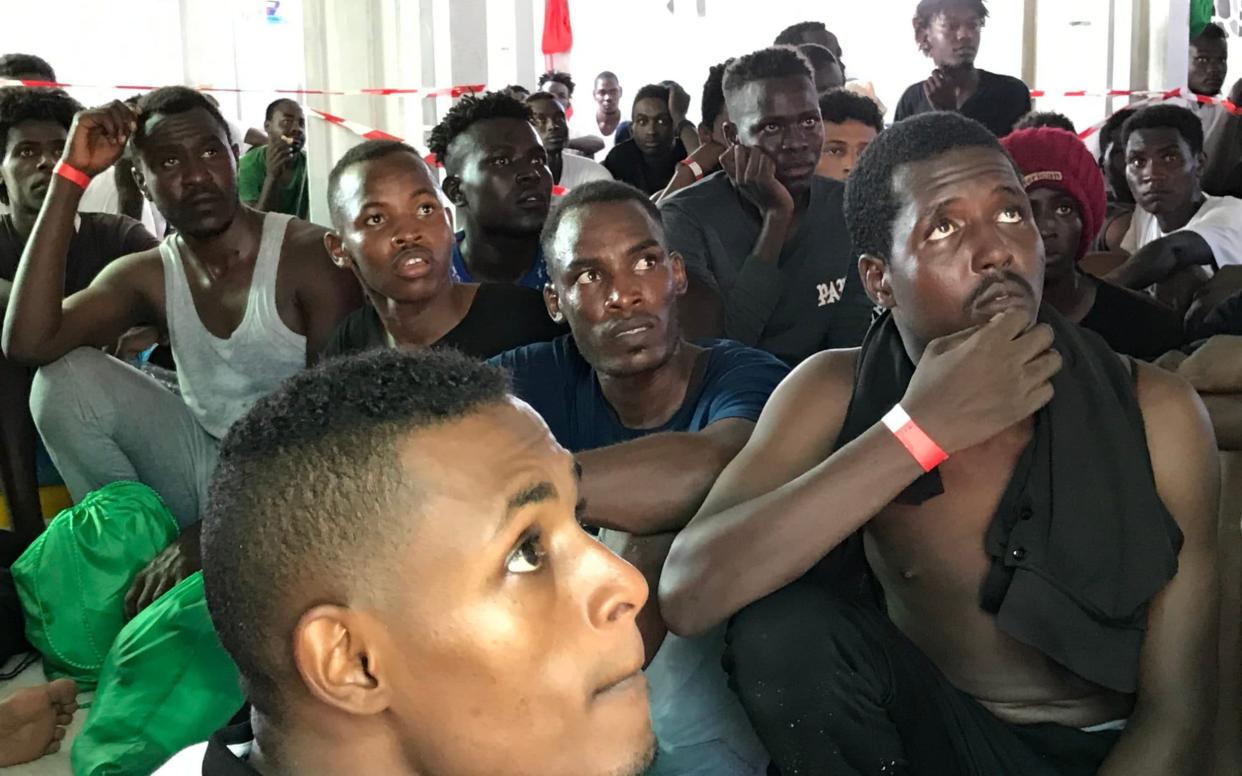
(104, 421)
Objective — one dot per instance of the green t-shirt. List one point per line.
(294, 197)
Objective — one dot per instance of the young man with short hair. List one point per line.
(393, 232)
(647, 160)
(497, 177)
(764, 241)
(1067, 205)
(1046, 118)
(705, 159)
(652, 419)
(607, 120)
(1001, 536)
(272, 178)
(1176, 225)
(468, 625)
(568, 170)
(246, 299)
(34, 124)
(561, 86)
(949, 33)
(851, 123)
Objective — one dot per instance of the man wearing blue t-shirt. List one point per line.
(652, 419)
(499, 182)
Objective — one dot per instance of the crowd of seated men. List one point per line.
(783, 442)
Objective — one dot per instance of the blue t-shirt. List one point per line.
(536, 277)
(556, 380)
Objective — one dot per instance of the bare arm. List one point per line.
(654, 484)
(1225, 410)
(325, 295)
(770, 501)
(1158, 259)
(1171, 728)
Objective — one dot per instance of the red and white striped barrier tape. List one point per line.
(447, 91)
(1171, 94)
(371, 133)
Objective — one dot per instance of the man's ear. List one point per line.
(1200, 163)
(705, 134)
(4, 194)
(678, 266)
(452, 190)
(552, 300)
(140, 180)
(335, 651)
(336, 249)
(730, 132)
(874, 273)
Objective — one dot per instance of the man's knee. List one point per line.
(55, 391)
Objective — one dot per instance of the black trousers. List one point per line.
(12, 623)
(834, 688)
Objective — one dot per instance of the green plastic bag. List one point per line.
(72, 581)
(166, 684)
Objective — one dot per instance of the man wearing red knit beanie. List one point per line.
(1066, 189)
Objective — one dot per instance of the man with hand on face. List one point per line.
(1176, 226)
(705, 159)
(652, 420)
(851, 123)
(1000, 534)
(392, 231)
(34, 124)
(949, 32)
(272, 178)
(568, 170)
(499, 181)
(764, 241)
(245, 300)
(648, 159)
(1067, 205)
(468, 626)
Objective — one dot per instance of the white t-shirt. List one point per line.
(577, 170)
(101, 196)
(1218, 222)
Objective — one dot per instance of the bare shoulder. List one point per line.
(141, 272)
(304, 243)
(826, 378)
(1167, 400)
(812, 401)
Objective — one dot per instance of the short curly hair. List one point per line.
(468, 111)
(838, 106)
(306, 500)
(713, 93)
(560, 78)
(171, 100)
(1166, 116)
(19, 104)
(871, 203)
(13, 65)
(772, 62)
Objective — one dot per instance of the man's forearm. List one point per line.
(749, 305)
(1156, 261)
(1225, 410)
(712, 571)
(654, 484)
(34, 307)
(269, 196)
(1152, 746)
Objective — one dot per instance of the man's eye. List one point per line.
(1065, 210)
(168, 163)
(527, 557)
(1010, 215)
(500, 161)
(426, 210)
(645, 263)
(942, 229)
(834, 151)
(588, 277)
(771, 128)
(810, 122)
(375, 219)
(210, 153)
(25, 153)
(1172, 158)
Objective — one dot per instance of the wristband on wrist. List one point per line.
(695, 168)
(928, 454)
(71, 173)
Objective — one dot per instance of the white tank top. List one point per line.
(221, 378)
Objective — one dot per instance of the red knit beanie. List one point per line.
(1056, 159)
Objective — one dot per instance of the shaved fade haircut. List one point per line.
(765, 64)
(308, 503)
(594, 193)
(364, 152)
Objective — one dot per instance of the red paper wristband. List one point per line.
(928, 454)
(71, 173)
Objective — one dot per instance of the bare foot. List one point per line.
(33, 719)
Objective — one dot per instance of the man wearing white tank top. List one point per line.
(246, 300)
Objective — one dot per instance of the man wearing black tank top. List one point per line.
(104, 421)
(393, 232)
(1033, 528)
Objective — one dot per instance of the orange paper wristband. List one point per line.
(71, 173)
(928, 454)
